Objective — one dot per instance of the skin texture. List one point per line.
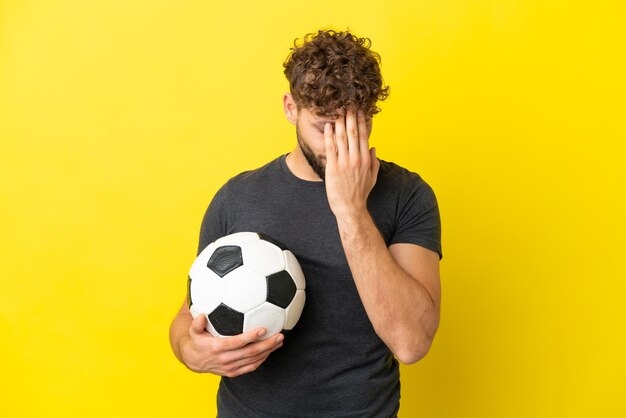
(339, 154)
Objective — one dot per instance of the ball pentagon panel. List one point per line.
(226, 320)
(225, 258)
(280, 289)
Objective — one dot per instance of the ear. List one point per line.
(290, 108)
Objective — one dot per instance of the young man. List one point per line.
(367, 234)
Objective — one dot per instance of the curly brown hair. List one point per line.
(332, 70)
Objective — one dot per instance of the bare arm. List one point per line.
(179, 330)
(399, 286)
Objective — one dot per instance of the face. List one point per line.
(310, 134)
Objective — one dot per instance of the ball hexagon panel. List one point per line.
(226, 320)
(204, 292)
(269, 316)
(225, 259)
(294, 310)
(280, 289)
(263, 257)
(293, 268)
(195, 313)
(211, 329)
(272, 240)
(243, 289)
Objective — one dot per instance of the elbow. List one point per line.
(417, 344)
(412, 345)
(414, 352)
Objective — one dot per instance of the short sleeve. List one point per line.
(418, 220)
(215, 221)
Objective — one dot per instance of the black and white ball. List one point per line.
(246, 280)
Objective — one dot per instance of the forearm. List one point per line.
(179, 329)
(400, 309)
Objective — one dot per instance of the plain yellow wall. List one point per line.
(120, 119)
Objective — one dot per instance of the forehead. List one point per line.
(320, 118)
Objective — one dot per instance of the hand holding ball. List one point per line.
(246, 280)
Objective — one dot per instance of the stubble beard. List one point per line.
(316, 163)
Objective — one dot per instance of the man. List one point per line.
(367, 234)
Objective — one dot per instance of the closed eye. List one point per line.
(321, 128)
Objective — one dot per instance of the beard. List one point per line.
(318, 164)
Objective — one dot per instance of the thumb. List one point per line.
(199, 323)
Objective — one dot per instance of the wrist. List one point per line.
(354, 218)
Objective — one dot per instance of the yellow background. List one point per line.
(120, 119)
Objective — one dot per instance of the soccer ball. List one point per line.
(246, 280)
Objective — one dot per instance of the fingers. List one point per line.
(249, 358)
(257, 359)
(227, 356)
(340, 139)
(198, 325)
(363, 137)
(352, 132)
(331, 147)
(254, 350)
(235, 371)
(352, 139)
(241, 340)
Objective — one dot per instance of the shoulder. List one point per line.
(255, 178)
(414, 205)
(402, 180)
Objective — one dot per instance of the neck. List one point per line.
(299, 166)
